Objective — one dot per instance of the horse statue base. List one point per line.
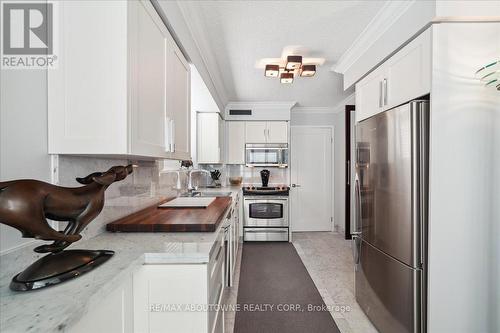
(58, 267)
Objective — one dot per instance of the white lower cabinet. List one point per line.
(175, 297)
(114, 313)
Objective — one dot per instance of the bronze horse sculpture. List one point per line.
(26, 204)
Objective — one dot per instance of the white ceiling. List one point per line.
(235, 35)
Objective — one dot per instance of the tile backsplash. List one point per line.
(251, 175)
(147, 185)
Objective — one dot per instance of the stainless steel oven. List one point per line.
(266, 154)
(266, 218)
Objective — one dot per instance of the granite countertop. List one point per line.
(57, 308)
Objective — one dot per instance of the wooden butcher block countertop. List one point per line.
(154, 219)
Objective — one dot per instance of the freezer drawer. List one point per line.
(265, 234)
(388, 291)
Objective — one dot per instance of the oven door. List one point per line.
(266, 212)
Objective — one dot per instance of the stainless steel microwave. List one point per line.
(266, 154)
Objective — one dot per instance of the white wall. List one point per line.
(464, 237)
(23, 135)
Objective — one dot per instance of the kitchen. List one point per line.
(353, 177)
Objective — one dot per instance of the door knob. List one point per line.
(295, 185)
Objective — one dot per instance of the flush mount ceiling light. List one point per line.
(490, 75)
(286, 77)
(289, 67)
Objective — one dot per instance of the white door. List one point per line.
(256, 131)
(311, 173)
(277, 132)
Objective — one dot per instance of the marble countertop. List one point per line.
(57, 308)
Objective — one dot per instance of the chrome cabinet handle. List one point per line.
(296, 185)
(380, 94)
(384, 87)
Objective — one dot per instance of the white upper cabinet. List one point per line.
(148, 43)
(122, 86)
(209, 137)
(256, 132)
(235, 142)
(179, 103)
(266, 132)
(369, 100)
(403, 77)
(409, 71)
(277, 132)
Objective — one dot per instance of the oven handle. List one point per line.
(268, 230)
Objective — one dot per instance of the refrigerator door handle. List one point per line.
(356, 250)
(357, 211)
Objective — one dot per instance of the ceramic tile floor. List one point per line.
(328, 259)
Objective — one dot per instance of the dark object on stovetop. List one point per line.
(264, 175)
(215, 174)
(26, 204)
(186, 164)
(273, 190)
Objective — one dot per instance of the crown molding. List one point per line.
(200, 39)
(271, 105)
(390, 12)
(325, 109)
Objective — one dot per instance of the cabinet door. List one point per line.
(235, 142)
(369, 97)
(157, 287)
(148, 37)
(208, 146)
(178, 102)
(256, 131)
(113, 314)
(277, 132)
(87, 93)
(409, 71)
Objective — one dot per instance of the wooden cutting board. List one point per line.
(154, 219)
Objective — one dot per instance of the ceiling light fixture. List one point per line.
(308, 70)
(293, 62)
(272, 70)
(286, 77)
(288, 67)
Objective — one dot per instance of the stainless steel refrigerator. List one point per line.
(390, 224)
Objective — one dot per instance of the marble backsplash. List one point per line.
(150, 182)
(251, 175)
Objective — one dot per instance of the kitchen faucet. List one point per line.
(191, 188)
